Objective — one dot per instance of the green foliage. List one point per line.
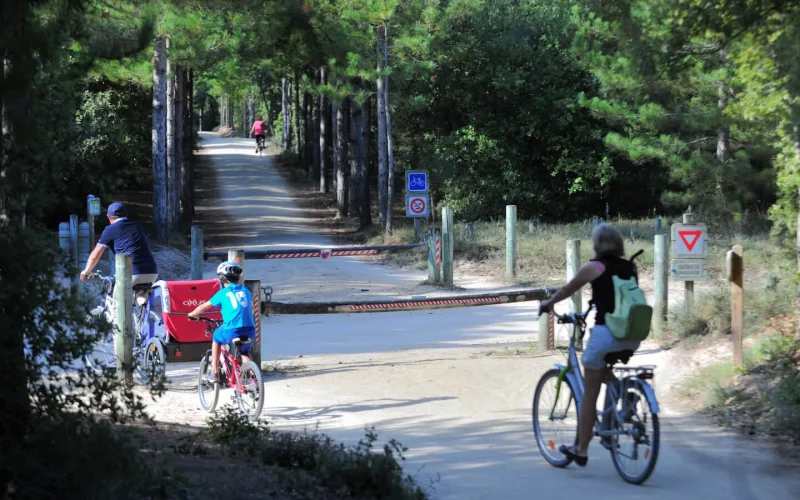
(503, 115)
(357, 472)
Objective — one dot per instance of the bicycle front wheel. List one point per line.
(103, 356)
(555, 417)
(251, 400)
(207, 391)
(635, 449)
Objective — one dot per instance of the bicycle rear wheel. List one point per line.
(555, 417)
(154, 362)
(251, 401)
(635, 451)
(207, 391)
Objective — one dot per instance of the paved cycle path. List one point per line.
(437, 381)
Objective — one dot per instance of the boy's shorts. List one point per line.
(224, 336)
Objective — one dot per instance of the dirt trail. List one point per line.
(432, 379)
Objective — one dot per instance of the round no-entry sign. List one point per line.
(417, 206)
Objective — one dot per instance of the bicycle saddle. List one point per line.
(240, 340)
(623, 357)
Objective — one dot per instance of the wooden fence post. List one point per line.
(197, 253)
(511, 241)
(238, 257)
(448, 238)
(255, 290)
(573, 264)
(661, 278)
(734, 264)
(123, 299)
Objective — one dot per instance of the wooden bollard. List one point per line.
(197, 253)
(511, 241)
(661, 278)
(545, 340)
(573, 264)
(238, 257)
(123, 338)
(734, 267)
(448, 238)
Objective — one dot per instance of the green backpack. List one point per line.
(631, 318)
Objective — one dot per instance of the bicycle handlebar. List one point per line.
(206, 319)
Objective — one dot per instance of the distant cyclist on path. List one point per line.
(258, 130)
(125, 237)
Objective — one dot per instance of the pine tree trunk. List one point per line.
(160, 140)
(297, 112)
(245, 118)
(316, 147)
(323, 136)
(389, 142)
(334, 146)
(172, 165)
(286, 136)
(306, 160)
(252, 113)
(177, 182)
(382, 160)
(365, 215)
(187, 134)
(341, 161)
(354, 137)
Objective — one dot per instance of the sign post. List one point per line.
(92, 211)
(689, 250)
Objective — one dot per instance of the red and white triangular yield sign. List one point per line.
(689, 240)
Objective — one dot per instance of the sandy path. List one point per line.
(427, 378)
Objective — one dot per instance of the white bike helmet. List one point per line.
(231, 271)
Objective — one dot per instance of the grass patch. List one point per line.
(341, 472)
(711, 314)
(763, 397)
(542, 251)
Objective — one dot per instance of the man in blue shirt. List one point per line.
(124, 237)
(236, 304)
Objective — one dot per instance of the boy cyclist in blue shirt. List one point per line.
(236, 304)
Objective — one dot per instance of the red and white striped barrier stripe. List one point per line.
(353, 252)
(257, 317)
(438, 251)
(434, 302)
(551, 330)
(334, 253)
(303, 255)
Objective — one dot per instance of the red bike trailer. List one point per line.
(167, 309)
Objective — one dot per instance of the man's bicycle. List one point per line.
(245, 379)
(628, 427)
(149, 355)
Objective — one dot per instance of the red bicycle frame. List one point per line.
(227, 362)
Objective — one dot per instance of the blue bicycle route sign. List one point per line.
(416, 181)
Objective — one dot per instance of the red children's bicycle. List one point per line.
(244, 379)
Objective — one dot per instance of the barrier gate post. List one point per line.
(255, 290)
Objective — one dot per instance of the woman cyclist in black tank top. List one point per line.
(607, 262)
